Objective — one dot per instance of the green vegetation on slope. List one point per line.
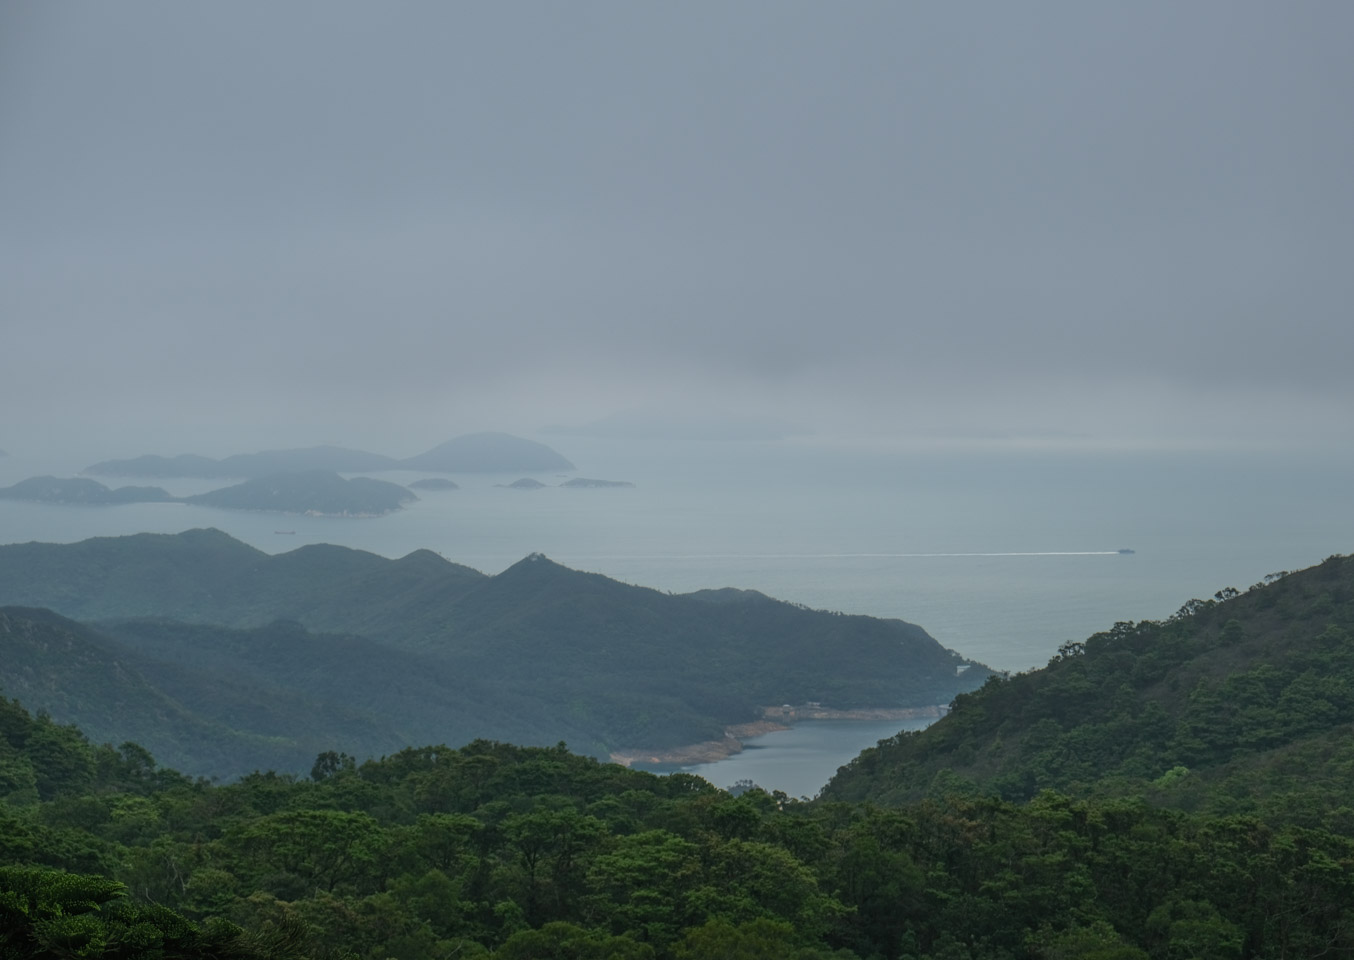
(1247, 691)
(433, 651)
(217, 702)
(511, 853)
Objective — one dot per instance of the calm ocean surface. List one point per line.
(1001, 556)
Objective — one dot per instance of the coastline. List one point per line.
(774, 718)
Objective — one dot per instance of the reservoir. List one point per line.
(802, 759)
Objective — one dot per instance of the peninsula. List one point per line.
(538, 653)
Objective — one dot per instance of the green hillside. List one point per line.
(80, 676)
(1163, 791)
(538, 654)
(1230, 704)
(510, 853)
(220, 702)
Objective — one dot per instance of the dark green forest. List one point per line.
(1235, 838)
(537, 852)
(1228, 706)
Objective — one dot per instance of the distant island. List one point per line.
(434, 483)
(586, 482)
(471, 453)
(81, 490)
(314, 492)
(317, 493)
(526, 483)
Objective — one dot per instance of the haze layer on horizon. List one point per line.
(385, 224)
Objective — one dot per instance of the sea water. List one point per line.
(1002, 555)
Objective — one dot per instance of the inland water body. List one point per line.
(1002, 555)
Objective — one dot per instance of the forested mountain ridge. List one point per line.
(1246, 691)
(207, 576)
(537, 654)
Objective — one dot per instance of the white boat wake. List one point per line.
(842, 556)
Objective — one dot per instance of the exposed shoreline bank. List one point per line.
(774, 718)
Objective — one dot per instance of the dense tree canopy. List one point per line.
(1228, 705)
(536, 852)
(1164, 790)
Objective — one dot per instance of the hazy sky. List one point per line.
(340, 221)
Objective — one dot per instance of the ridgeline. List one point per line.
(420, 649)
